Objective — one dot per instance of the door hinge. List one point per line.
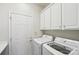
(10, 18)
(10, 39)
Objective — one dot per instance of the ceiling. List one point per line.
(43, 4)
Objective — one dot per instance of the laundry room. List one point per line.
(39, 28)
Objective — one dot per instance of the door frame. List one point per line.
(10, 28)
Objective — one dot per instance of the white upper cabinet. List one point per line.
(42, 21)
(60, 16)
(69, 15)
(56, 16)
(47, 19)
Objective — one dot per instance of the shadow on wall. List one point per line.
(70, 34)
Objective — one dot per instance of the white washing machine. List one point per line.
(61, 46)
(38, 42)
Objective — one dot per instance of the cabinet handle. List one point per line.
(64, 26)
(60, 26)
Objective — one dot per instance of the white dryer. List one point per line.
(38, 42)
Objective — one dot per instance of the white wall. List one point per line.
(28, 9)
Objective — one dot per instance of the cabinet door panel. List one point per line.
(69, 15)
(56, 16)
(47, 19)
(42, 21)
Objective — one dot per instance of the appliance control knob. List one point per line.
(64, 41)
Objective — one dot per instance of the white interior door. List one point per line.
(21, 33)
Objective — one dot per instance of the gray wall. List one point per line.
(70, 34)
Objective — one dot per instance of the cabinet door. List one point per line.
(56, 16)
(69, 15)
(42, 21)
(47, 19)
